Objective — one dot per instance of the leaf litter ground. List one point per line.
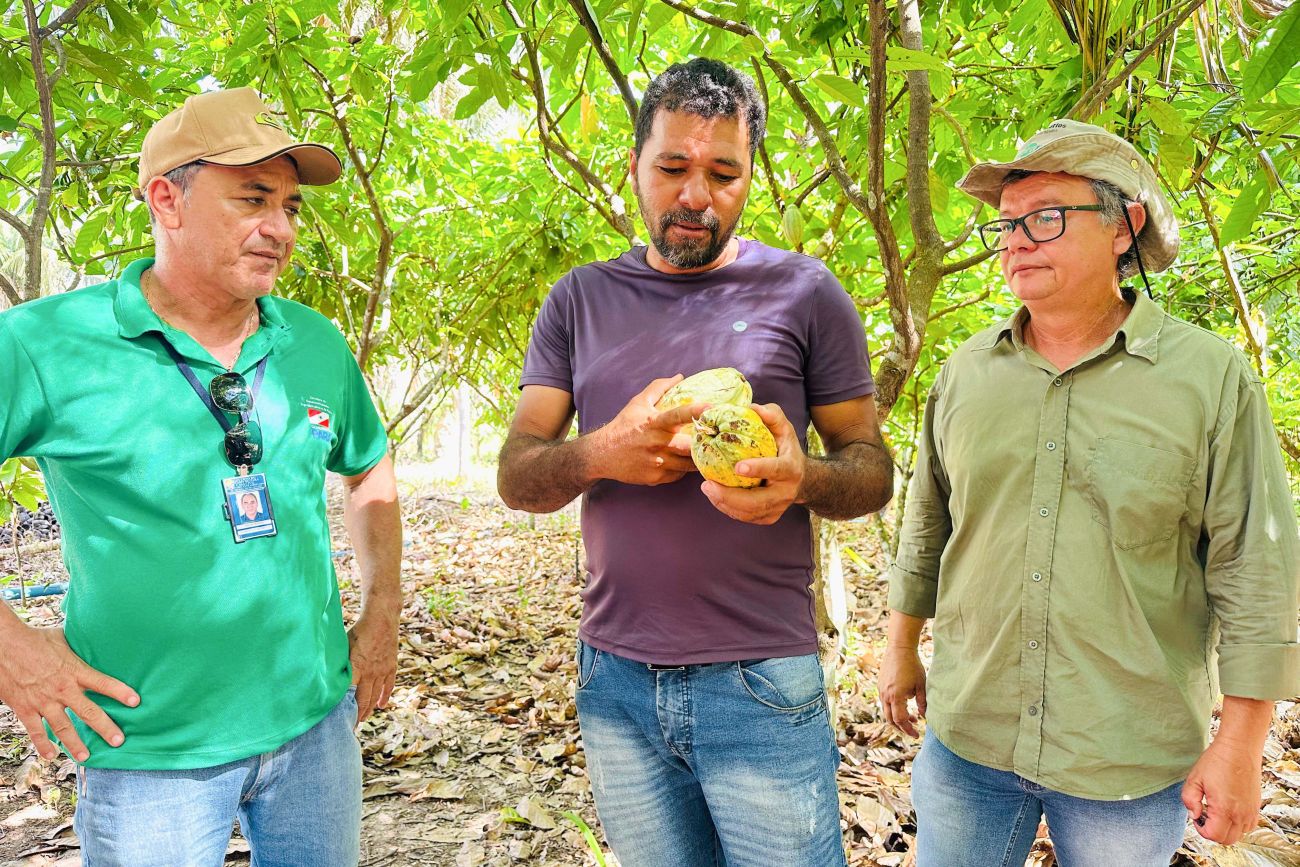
(478, 759)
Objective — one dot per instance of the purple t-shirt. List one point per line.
(671, 580)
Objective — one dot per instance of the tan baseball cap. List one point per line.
(229, 128)
(1090, 152)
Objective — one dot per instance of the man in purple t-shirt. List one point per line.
(700, 694)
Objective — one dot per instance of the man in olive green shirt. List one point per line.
(1101, 528)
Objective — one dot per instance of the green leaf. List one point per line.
(27, 499)
(842, 89)
(902, 59)
(829, 29)
(1167, 119)
(634, 25)
(1278, 56)
(471, 102)
(1218, 116)
(7, 124)
(88, 236)
(1176, 152)
(123, 22)
(1249, 205)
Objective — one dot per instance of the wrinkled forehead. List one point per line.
(279, 175)
(1044, 189)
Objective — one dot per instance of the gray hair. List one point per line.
(181, 176)
(1114, 206)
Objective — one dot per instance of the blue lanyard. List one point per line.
(202, 392)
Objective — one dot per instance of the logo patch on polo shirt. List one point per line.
(319, 418)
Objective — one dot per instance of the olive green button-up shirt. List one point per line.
(1101, 548)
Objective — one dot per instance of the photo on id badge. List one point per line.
(248, 506)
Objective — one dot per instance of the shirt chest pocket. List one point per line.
(1137, 492)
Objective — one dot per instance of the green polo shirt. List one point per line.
(234, 649)
(1088, 541)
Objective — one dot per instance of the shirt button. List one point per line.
(1057, 383)
(1033, 711)
(1037, 576)
(1051, 447)
(1033, 645)
(1043, 512)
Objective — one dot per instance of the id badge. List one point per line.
(248, 506)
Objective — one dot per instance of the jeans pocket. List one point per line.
(787, 683)
(588, 656)
(1137, 492)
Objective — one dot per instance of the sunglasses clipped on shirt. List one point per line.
(230, 392)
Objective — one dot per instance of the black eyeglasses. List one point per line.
(1041, 226)
(230, 393)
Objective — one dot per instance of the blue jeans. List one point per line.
(968, 815)
(707, 765)
(298, 805)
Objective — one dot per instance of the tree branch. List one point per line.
(966, 231)
(1095, 96)
(10, 291)
(1255, 341)
(1290, 446)
(924, 231)
(602, 49)
(18, 225)
(818, 179)
(66, 17)
(771, 179)
(45, 190)
(616, 215)
(106, 161)
(366, 343)
(960, 304)
(963, 264)
(413, 404)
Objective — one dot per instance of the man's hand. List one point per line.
(641, 445)
(372, 648)
(42, 679)
(783, 475)
(902, 677)
(1222, 792)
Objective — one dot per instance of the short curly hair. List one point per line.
(704, 87)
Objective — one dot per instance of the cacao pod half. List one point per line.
(718, 385)
(726, 434)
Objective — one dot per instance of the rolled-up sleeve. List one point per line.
(927, 524)
(1251, 560)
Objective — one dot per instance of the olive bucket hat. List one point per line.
(1090, 152)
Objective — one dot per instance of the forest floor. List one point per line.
(478, 759)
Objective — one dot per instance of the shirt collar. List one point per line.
(135, 317)
(1138, 335)
(1141, 329)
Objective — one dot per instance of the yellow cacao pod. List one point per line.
(726, 434)
(718, 385)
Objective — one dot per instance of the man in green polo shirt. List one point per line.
(204, 660)
(1101, 528)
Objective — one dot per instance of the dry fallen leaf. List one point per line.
(532, 811)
